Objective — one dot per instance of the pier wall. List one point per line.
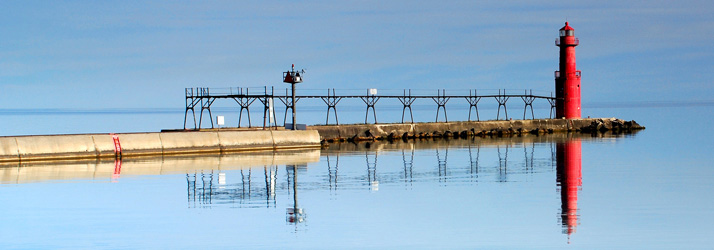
(357, 132)
(83, 146)
(88, 146)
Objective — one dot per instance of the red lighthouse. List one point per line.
(567, 79)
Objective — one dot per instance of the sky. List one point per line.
(142, 54)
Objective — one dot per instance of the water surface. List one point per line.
(648, 190)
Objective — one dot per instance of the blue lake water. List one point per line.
(647, 190)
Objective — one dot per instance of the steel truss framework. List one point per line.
(203, 98)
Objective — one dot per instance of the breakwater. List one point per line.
(88, 146)
(364, 132)
(84, 146)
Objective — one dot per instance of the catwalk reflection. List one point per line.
(453, 163)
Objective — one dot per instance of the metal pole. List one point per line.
(294, 119)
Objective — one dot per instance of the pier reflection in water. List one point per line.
(501, 160)
(204, 187)
(560, 154)
(270, 180)
(446, 168)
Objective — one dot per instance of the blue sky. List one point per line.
(137, 54)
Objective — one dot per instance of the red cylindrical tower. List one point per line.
(567, 79)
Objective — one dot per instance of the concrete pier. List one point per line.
(88, 146)
(85, 146)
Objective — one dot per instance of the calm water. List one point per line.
(648, 190)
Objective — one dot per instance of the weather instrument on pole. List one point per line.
(293, 77)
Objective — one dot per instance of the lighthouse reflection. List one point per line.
(569, 178)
